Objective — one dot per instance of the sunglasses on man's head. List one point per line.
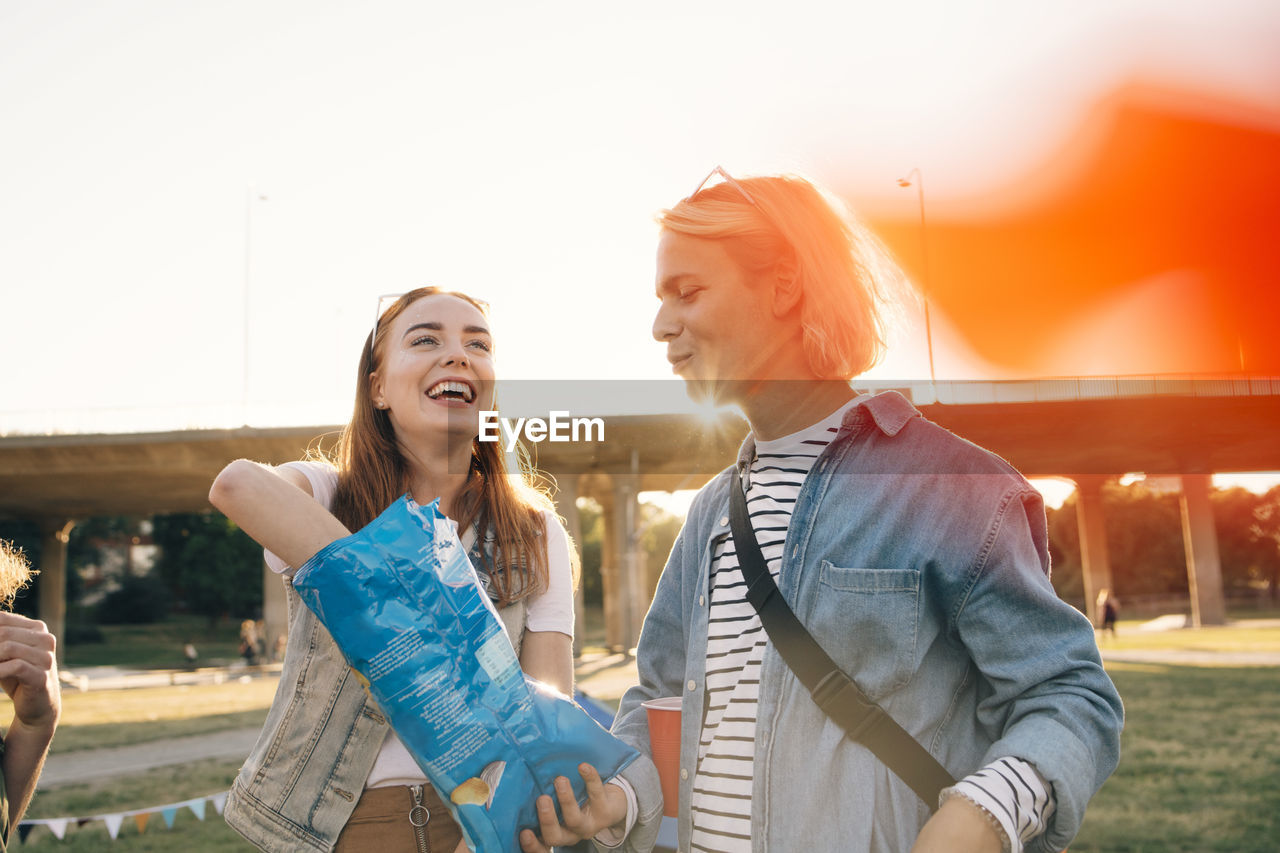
(728, 179)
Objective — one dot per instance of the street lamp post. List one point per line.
(251, 196)
(924, 252)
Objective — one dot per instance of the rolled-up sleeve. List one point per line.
(1049, 699)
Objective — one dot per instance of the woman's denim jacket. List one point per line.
(301, 782)
(919, 562)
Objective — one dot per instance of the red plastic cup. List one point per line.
(664, 740)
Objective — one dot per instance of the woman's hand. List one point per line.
(958, 827)
(606, 806)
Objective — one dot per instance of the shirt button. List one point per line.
(693, 685)
(724, 519)
(684, 774)
(702, 599)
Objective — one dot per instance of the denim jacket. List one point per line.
(301, 782)
(920, 563)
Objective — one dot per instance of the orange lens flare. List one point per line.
(1149, 244)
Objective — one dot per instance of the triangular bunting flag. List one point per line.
(115, 822)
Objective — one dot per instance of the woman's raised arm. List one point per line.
(275, 507)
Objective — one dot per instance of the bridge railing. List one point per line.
(972, 392)
(630, 397)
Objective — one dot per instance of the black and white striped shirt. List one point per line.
(722, 783)
(736, 642)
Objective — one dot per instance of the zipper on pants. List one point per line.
(418, 816)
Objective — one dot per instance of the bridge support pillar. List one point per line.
(567, 506)
(1095, 565)
(52, 580)
(624, 598)
(611, 593)
(624, 603)
(626, 519)
(1204, 571)
(275, 611)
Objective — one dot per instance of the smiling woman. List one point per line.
(426, 373)
(420, 389)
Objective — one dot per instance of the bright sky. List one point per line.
(517, 151)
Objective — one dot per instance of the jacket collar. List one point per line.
(887, 411)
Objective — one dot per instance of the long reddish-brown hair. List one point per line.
(372, 473)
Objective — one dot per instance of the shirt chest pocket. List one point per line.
(867, 620)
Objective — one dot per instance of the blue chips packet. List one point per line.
(405, 606)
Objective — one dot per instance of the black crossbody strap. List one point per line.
(839, 697)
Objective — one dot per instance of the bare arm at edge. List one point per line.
(548, 656)
(29, 676)
(274, 506)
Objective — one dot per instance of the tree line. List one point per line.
(206, 565)
(203, 564)
(1145, 542)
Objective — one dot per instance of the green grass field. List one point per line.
(159, 645)
(144, 790)
(102, 718)
(120, 717)
(1200, 764)
(1200, 769)
(1230, 639)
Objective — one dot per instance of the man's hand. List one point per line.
(606, 806)
(29, 676)
(958, 827)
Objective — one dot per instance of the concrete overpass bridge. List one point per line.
(1086, 430)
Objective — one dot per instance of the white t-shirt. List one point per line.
(550, 610)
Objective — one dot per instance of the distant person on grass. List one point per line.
(29, 676)
(1108, 610)
(250, 645)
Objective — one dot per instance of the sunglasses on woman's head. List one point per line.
(386, 300)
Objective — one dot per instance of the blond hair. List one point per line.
(15, 572)
(847, 279)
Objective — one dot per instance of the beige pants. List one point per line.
(383, 823)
